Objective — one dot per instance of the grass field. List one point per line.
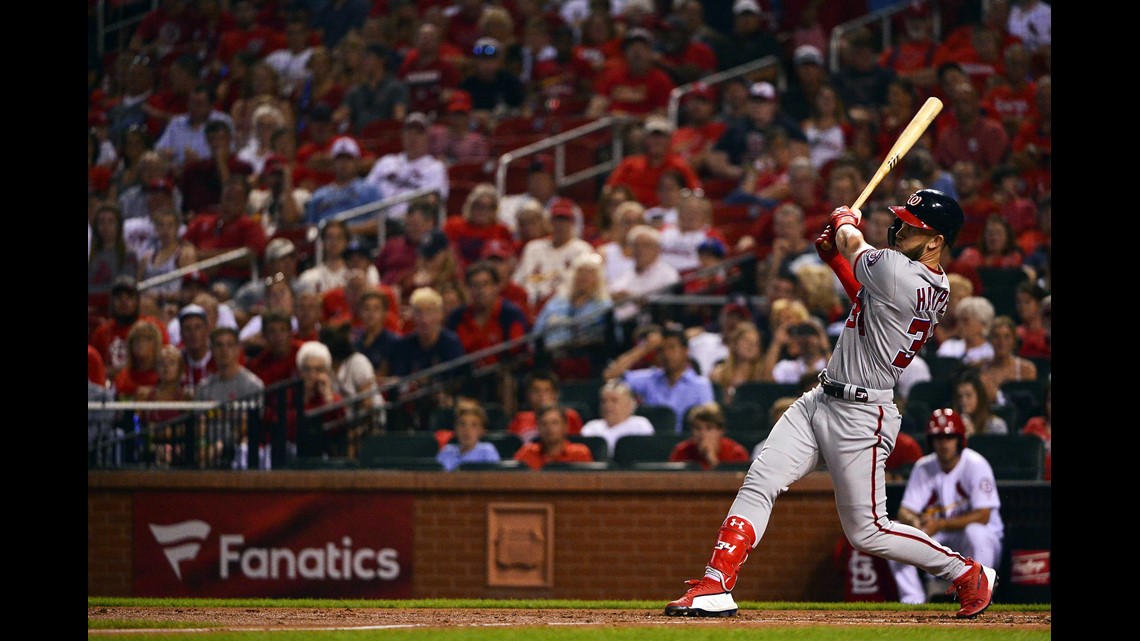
(493, 620)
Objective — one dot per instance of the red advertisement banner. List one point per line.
(269, 544)
(1029, 567)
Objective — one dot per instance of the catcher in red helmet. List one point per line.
(950, 495)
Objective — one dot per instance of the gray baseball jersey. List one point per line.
(894, 314)
(898, 305)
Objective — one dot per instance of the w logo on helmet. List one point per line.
(914, 199)
(180, 541)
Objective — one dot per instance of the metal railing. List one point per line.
(234, 255)
(377, 207)
(886, 28)
(675, 96)
(251, 433)
(558, 142)
(105, 26)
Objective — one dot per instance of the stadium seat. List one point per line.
(663, 418)
(764, 394)
(584, 409)
(944, 368)
(379, 450)
(635, 449)
(999, 286)
(744, 416)
(504, 441)
(932, 393)
(596, 444)
(409, 463)
(583, 391)
(1014, 457)
(1027, 396)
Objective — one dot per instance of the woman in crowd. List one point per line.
(744, 363)
(973, 402)
(997, 247)
(1005, 365)
(172, 252)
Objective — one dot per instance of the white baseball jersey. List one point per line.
(394, 174)
(969, 486)
(894, 314)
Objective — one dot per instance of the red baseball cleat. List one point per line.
(706, 598)
(975, 589)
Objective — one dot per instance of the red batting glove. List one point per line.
(843, 216)
(825, 244)
(829, 253)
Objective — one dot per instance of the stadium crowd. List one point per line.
(218, 125)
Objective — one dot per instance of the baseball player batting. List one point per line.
(850, 421)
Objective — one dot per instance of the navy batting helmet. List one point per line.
(929, 209)
(945, 421)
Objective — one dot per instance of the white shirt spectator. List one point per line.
(617, 263)
(320, 278)
(292, 67)
(707, 348)
(543, 266)
(394, 174)
(657, 276)
(679, 248)
(956, 348)
(1032, 22)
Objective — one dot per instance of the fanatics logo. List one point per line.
(180, 541)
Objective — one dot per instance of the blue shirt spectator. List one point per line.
(673, 383)
(347, 190)
(184, 138)
(451, 456)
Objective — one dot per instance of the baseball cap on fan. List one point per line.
(658, 125)
(562, 208)
(460, 102)
(496, 248)
(344, 146)
(762, 91)
(635, 34)
(416, 119)
(193, 310)
(742, 6)
(126, 284)
(808, 55)
(279, 248)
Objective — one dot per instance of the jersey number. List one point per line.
(921, 329)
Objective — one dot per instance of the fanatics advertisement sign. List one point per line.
(268, 544)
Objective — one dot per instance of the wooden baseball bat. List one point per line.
(905, 141)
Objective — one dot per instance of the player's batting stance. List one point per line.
(850, 420)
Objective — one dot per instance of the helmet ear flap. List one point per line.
(893, 230)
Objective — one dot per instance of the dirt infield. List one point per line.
(239, 618)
